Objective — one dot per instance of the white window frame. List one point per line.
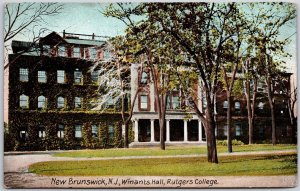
(143, 104)
(76, 52)
(24, 101)
(61, 77)
(225, 104)
(95, 130)
(78, 131)
(61, 51)
(78, 77)
(237, 105)
(42, 102)
(60, 131)
(60, 102)
(42, 76)
(23, 74)
(77, 102)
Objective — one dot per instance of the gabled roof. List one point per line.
(52, 38)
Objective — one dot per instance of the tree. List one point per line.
(114, 80)
(24, 18)
(267, 24)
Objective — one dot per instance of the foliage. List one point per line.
(234, 142)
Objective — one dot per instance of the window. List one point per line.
(175, 102)
(23, 133)
(106, 55)
(110, 132)
(24, 74)
(41, 102)
(60, 102)
(238, 130)
(42, 132)
(225, 104)
(77, 102)
(94, 131)
(94, 76)
(93, 53)
(78, 131)
(144, 102)
(237, 106)
(76, 52)
(46, 49)
(60, 131)
(261, 105)
(24, 101)
(60, 76)
(110, 102)
(144, 78)
(61, 50)
(42, 76)
(78, 77)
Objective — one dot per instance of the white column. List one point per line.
(200, 131)
(152, 130)
(136, 130)
(168, 131)
(123, 130)
(185, 133)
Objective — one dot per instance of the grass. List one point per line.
(260, 165)
(169, 151)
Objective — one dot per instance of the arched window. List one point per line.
(225, 104)
(24, 101)
(41, 102)
(60, 102)
(237, 105)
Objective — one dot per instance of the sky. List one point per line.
(86, 18)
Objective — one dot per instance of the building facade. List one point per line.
(183, 129)
(51, 91)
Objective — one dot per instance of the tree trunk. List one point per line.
(211, 140)
(162, 134)
(249, 111)
(273, 123)
(229, 138)
(210, 134)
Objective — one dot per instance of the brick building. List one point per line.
(52, 90)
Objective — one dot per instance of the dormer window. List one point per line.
(61, 50)
(46, 49)
(93, 53)
(106, 55)
(76, 52)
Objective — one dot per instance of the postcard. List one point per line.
(150, 95)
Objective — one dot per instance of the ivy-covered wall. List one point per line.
(31, 122)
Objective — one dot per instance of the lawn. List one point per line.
(260, 165)
(169, 151)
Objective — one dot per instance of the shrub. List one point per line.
(234, 142)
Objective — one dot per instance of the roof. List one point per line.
(84, 42)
